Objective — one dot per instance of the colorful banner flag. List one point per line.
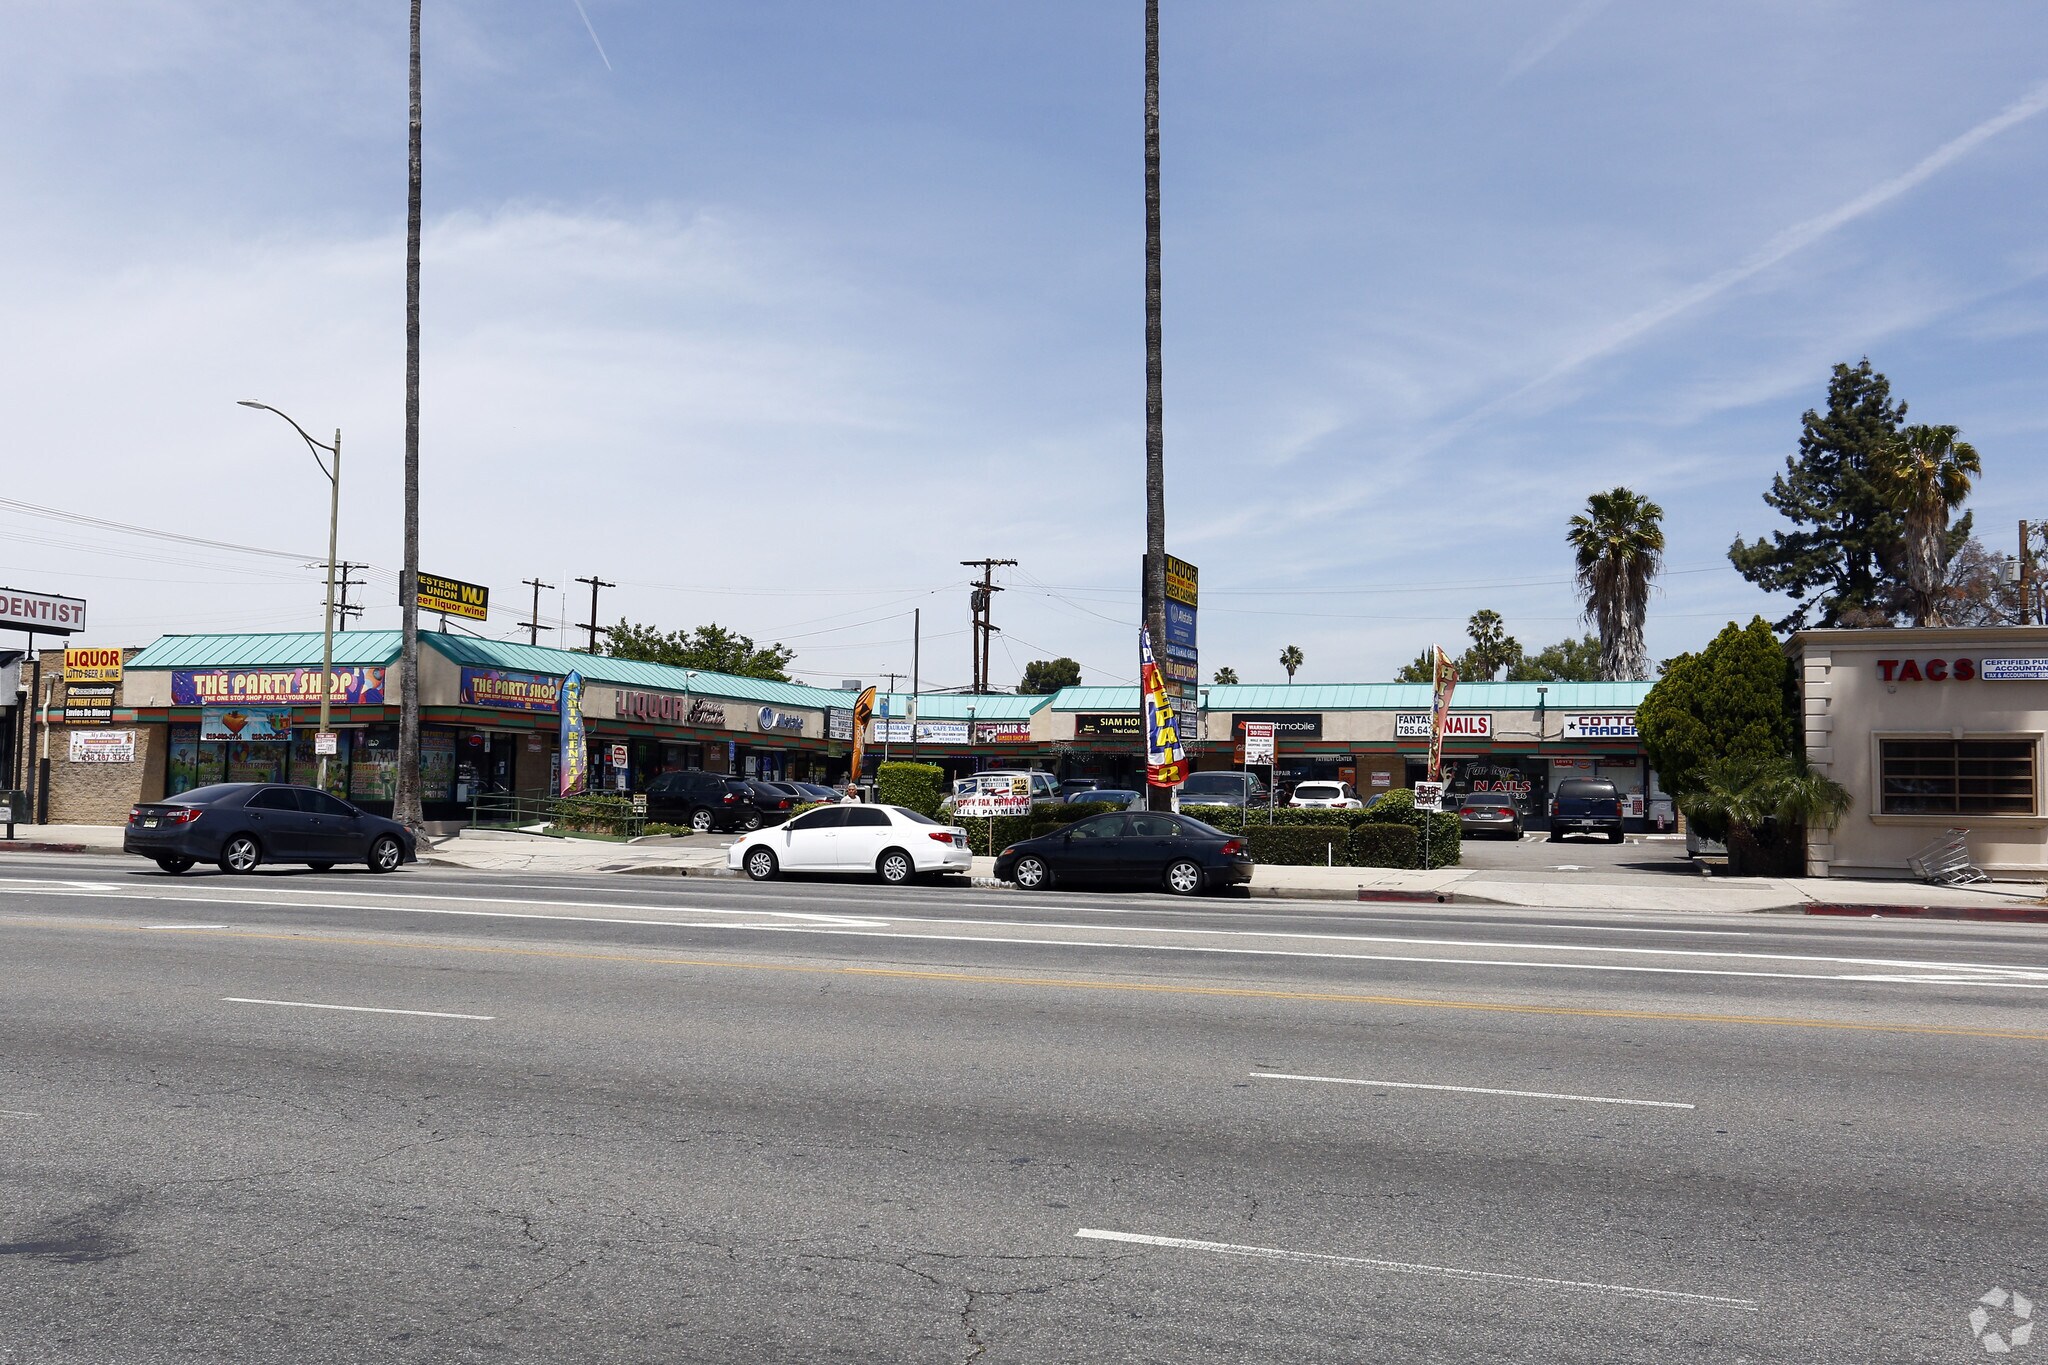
(863, 712)
(1440, 710)
(575, 744)
(1166, 762)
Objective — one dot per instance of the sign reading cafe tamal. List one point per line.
(502, 691)
(215, 686)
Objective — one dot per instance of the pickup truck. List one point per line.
(1585, 805)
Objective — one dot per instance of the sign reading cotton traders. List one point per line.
(453, 597)
(1601, 725)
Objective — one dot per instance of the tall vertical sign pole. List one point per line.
(2026, 579)
(1153, 596)
(916, 648)
(405, 805)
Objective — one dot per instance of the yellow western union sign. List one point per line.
(452, 597)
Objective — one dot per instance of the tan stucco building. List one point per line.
(1930, 730)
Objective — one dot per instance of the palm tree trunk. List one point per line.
(1925, 533)
(1154, 595)
(406, 800)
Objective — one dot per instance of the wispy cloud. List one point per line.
(1567, 24)
(592, 31)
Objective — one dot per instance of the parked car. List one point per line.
(1585, 805)
(815, 792)
(894, 843)
(1485, 813)
(1136, 848)
(1045, 788)
(1120, 797)
(772, 804)
(1073, 785)
(1325, 796)
(702, 800)
(242, 825)
(1222, 788)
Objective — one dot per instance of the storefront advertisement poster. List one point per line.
(502, 691)
(889, 732)
(244, 724)
(839, 722)
(940, 731)
(221, 686)
(106, 746)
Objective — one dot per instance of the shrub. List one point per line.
(1299, 845)
(1442, 837)
(595, 815)
(1384, 844)
(990, 836)
(915, 786)
(1737, 698)
(660, 827)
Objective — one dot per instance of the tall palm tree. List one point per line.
(1291, 659)
(1925, 475)
(1618, 542)
(405, 802)
(1154, 596)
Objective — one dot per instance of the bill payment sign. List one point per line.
(1011, 798)
(453, 597)
(1259, 744)
(1429, 796)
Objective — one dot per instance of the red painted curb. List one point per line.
(26, 846)
(2010, 914)
(1411, 897)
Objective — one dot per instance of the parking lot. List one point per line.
(1534, 855)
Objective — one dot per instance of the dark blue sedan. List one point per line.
(241, 825)
(1139, 849)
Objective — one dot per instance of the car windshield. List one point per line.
(206, 796)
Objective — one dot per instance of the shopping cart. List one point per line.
(1946, 861)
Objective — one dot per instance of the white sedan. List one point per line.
(892, 842)
(1325, 796)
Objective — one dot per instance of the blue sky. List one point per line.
(774, 312)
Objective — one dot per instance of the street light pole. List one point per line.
(333, 532)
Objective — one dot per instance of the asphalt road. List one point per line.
(450, 1116)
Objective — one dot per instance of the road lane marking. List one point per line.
(1471, 1090)
(18, 1114)
(1445, 1272)
(353, 1009)
(184, 926)
(2000, 974)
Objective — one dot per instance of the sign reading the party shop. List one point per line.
(503, 691)
(217, 686)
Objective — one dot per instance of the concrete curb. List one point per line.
(1998, 914)
(38, 846)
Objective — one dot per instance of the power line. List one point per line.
(982, 601)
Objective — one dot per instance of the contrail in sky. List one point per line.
(1571, 23)
(593, 33)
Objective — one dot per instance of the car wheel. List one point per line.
(701, 820)
(1553, 838)
(321, 867)
(174, 865)
(1613, 836)
(240, 854)
(386, 854)
(753, 823)
(895, 867)
(761, 864)
(1184, 878)
(1031, 874)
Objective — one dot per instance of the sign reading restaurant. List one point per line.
(212, 686)
(41, 612)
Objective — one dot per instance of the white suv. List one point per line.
(1325, 796)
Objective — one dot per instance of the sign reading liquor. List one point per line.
(1183, 583)
(502, 691)
(41, 612)
(1603, 725)
(672, 707)
(212, 686)
(1457, 725)
(453, 597)
(92, 665)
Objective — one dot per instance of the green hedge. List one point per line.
(1299, 845)
(596, 815)
(1395, 808)
(1385, 845)
(917, 786)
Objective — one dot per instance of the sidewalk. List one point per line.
(701, 856)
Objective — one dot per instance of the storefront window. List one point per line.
(256, 760)
(306, 763)
(1957, 776)
(373, 776)
(191, 764)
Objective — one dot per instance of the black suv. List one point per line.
(703, 801)
(1585, 805)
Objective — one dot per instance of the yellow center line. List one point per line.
(1069, 983)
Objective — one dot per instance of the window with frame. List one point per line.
(1957, 776)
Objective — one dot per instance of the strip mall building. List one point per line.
(194, 709)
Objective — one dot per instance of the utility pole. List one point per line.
(2026, 579)
(981, 599)
(916, 644)
(591, 625)
(405, 801)
(344, 609)
(532, 623)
